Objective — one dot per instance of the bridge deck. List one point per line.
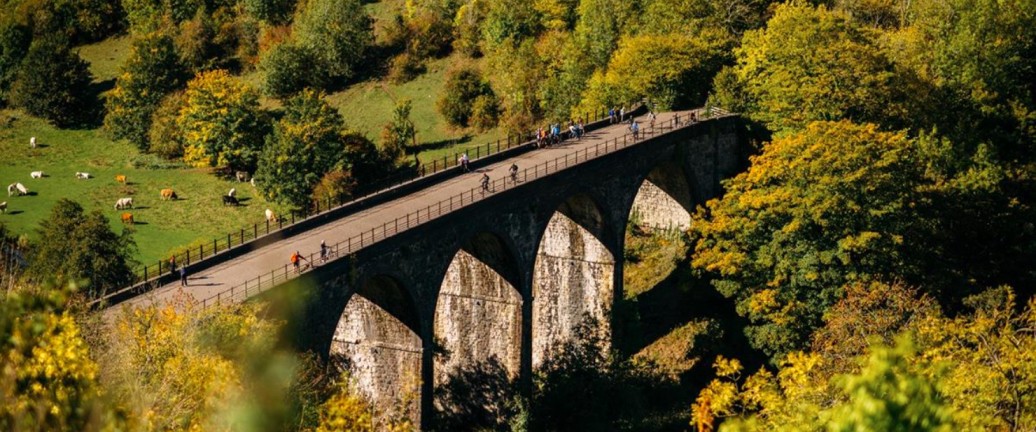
(222, 277)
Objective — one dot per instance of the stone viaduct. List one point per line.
(509, 277)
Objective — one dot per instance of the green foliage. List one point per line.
(79, 247)
(221, 122)
(456, 100)
(835, 203)
(398, 136)
(405, 67)
(271, 11)
(287, 69)
(467, 27)
(671, 71)
(14, 44)
(164, 137)
(509, 21)
(79, 21)
(53, 83)
(334, 188)
(485, 112)
(306, 143)
(810, 64)
(152, 71)
(337, 32)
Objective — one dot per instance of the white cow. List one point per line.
(32, 142)
(232, 193)
(36, 174)
(270, 216)
(123, 203)
(22, 190)
(3, 207)
(11, 189)
(82, 175)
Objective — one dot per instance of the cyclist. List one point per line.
(485, 182)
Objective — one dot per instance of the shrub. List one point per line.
(485, 112)
(459, 92)
(405, 67)
(288, 69)
(164, 135)
(336, 186)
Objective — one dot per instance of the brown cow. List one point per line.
(168, 194)
(120, 178)
(127, 218)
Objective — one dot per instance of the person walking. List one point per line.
(611, 115)
(622, 114)
(183, 275)
(485, 182)
(296, 258)
(514, 173)
(635, 127)
(323, 252)
(172, 265)
(464, 162)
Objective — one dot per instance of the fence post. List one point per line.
(255, 230)
(145, 271)
(292, 217)
(188, 257)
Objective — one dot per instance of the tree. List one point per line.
(456, 100)
(221, 122)
(835, 203)
(288, 68)
(152, 70)
(671, 70)
(809, 64)
(14, 44)
(53, 83)
(79, 247)
(305, 144)
(337, 32)
(510, 22)
(398, 137)
(165, 137)
(47, 378)
(274, 12)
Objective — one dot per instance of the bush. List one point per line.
(164, 135)
(53, 83)
(288, 69)
(458, 96)
(405, 67)
(336, 186)
(485, 112)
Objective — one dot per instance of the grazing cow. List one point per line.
(82, 175)
(32, 142)
(36, 174)
(232, 193)
(229, 200)
(123, 203)
(127, 218)
(120, 178)
(21, 189)
(270, 216)
(253, 181)
(168, 194)
(242, 176)
(3, 207)
(11, 189)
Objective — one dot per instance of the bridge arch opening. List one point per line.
(378, 341)
(664, 200)
(573, 278)
(477, 328)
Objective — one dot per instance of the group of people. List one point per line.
(616, 115)
(552, 133)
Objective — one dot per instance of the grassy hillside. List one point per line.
(162, 225)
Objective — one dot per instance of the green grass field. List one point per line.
(162, 225)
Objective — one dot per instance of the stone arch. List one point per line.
(478, 311)
(477, 325)
(378, 341)
(665, 198)
(573, 276)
